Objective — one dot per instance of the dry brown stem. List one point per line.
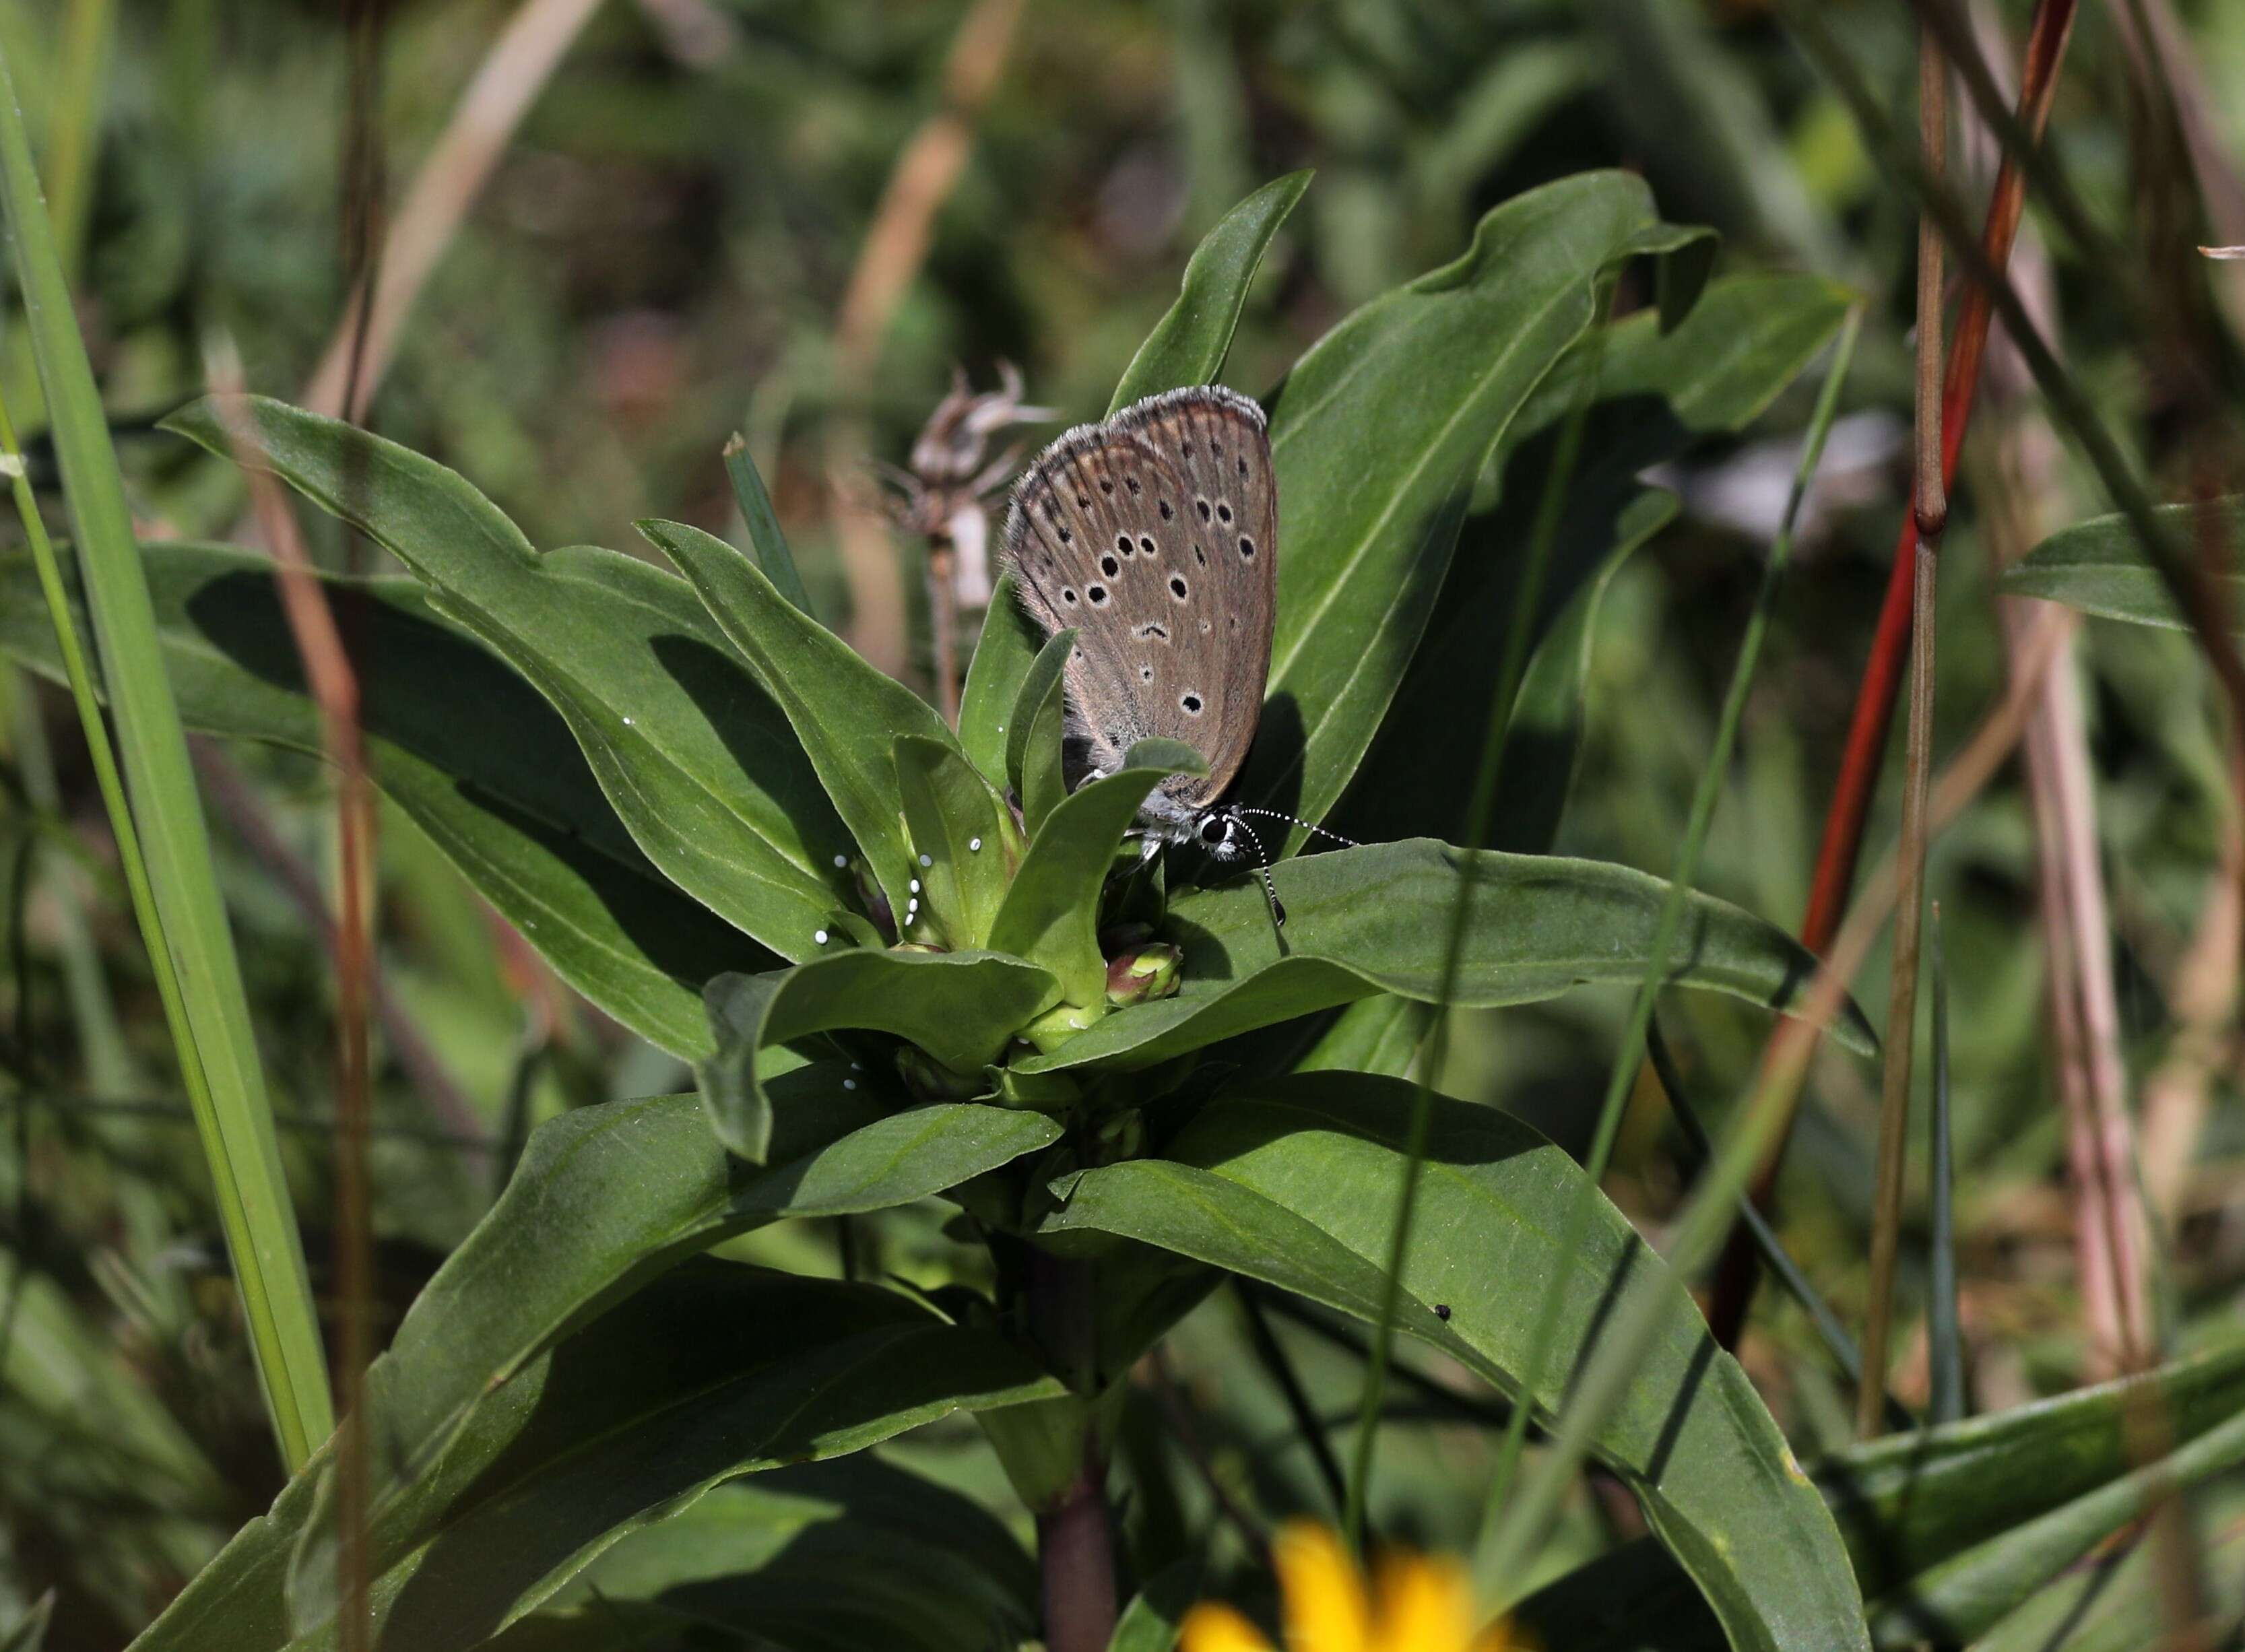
(506, 83)
(927, 172)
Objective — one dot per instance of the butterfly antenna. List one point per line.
(1295, 820)
(1262, 870)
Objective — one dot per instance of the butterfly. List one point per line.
(1154, 537)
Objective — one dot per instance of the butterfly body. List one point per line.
(1154, 536)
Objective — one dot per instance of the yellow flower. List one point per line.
(1417, 1603)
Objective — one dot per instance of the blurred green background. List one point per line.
(659, 258)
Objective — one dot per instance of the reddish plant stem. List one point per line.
(1075, 1553)
(1864, 754)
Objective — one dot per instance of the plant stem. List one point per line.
(1075, 1556)
(1866, 746)
(1931, 511)
(1945, 1335)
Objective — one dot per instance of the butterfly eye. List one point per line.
(1214, 831)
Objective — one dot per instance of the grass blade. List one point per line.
(1787, 1272)
(183, 920)
(1526, 1517)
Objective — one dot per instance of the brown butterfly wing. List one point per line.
(1154, 535)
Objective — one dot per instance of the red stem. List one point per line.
(1865, 752)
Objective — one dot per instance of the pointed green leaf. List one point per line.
(762, 523)
(1032, 747)
(1378, 436)
(715, 1371)
(1374, 919)
(1051, 914)
(847, 715)
(1295, 1183)
(471, 752)
(698, 761)
(966, 844)
(1188, 345)
(2099, 568)
(1002, 653)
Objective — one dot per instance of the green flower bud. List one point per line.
(1143, 974)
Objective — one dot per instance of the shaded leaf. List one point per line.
(1189, 343)
(1376, 920)
(699, 763)
(470, 751)
(1658, 393)
(1381, 1034)
(1009, 642)
(608, 1198)
(1033, 766)
(781, 1559)
(714, 1371)
(847, 715)
(1295, 1183)
(1378, 436)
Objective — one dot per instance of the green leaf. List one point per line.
(762, 523)
(1374, 919)
(1377, 437)
(472, 753)
(716, 1369)
(847, 715)
(960, 1007)
(1033, 750)
(608, 1198)
(1051, 914)
(1189, 343)
(699, 764)
(1659, 393)
(966, 841)
(28, 1632)
(2099, 568)
(1151, 1622)
(1948, 1527)
(1380, 1035)
(155, 813)
(1002, 653)
(2122, 1600)
(781, 1559)
(1294, 1184)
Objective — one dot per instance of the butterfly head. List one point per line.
(1224, 836)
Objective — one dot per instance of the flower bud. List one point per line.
(1143, 974)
